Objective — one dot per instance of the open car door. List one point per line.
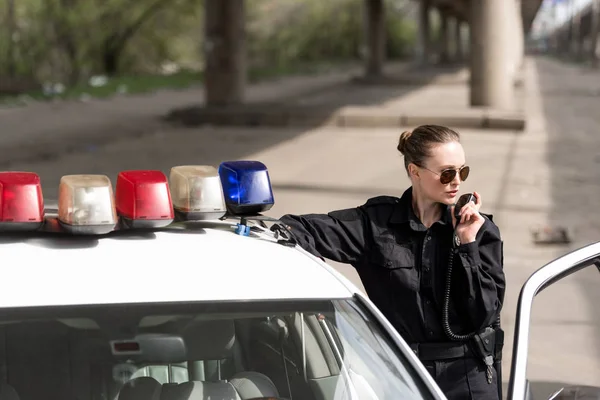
(518, 386)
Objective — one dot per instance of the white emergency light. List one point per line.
(196, 192)
(86, 204)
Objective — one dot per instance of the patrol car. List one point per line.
(181, 288)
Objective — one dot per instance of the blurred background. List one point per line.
(69, 48)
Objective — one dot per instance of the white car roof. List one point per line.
(208, 264)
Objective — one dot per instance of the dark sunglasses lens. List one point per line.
(464, 173)
(447, 176)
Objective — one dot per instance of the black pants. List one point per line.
(463, 379)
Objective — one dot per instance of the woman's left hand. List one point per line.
(470, 220)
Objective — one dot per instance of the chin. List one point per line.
(447, 200)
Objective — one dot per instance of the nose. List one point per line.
(456, 181)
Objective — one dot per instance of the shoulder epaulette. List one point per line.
(374, 201)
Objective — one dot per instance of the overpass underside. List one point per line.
(579, 36)
(494, 48)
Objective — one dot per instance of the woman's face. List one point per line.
(446, 156)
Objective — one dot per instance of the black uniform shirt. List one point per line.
(402, 264)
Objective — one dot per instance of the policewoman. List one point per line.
(402, 249)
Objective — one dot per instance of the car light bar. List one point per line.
(143, 199)
(86, 204)
(197, 192)
(21, 201)
(246, 186)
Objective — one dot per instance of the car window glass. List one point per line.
(280, 349)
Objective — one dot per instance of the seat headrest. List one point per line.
(144, 387)
(196, 390)
(209, 340)
(254, 385)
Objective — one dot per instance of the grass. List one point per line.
(139, 84)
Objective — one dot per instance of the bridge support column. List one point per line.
(566, 42)
(444, 39)
(575, 44)
(594, 32)
(375, 30)
(459, 51)
(491, 83)
(424, 33)
(225, 52)
(519, 31)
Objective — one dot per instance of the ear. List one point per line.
(413, 170)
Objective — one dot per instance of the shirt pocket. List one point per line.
(397, 262)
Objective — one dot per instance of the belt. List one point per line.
(441, 351)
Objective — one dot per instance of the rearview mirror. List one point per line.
(151, 347)
(577, 393)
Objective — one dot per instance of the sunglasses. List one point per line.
(448, 175)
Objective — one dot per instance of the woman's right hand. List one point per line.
(470, 220)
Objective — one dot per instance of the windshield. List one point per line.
(332, 350)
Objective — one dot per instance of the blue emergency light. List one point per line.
(246, 187)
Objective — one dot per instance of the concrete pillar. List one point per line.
(555, 43)
(594, 32)
(517, 38)
(491, 83)
(566, 40)
(458, 40)
(444, 37)
(225, 52)
(466, 42)
(563, 40)
(575, 44)
(424, 33)
(519, 30)
(375, 30)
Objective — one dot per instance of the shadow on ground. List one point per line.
(349, 103)
(155, 144)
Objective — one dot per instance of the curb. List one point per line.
(420, 80)
(355, 117)
(72, 141)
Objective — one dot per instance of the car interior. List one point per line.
(292, 355)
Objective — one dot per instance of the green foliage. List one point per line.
(70, 41)
(148, 83)
(401, 33)
(308, 30)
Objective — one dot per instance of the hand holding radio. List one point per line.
(466, 218)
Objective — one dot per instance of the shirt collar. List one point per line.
(404, 213)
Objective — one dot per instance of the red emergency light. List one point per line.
(21, 201)
(143, 199)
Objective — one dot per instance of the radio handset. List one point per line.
(486, 340)
(462, 201)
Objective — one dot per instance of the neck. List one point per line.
(426, 210)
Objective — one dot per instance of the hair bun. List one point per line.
(403, 139)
